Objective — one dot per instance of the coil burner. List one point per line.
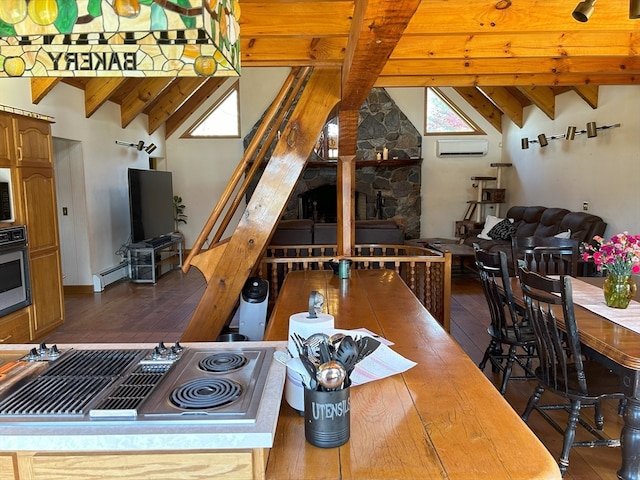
(224, 362)
(204, 393)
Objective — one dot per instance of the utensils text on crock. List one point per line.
(331, 375)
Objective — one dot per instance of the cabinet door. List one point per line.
(33, 142)
(7, 149)
(38, 192)
(46, 293)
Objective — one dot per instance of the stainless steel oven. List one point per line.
(15, 287)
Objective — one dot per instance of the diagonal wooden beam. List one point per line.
(97, 91)
(265, 207)
(484, 107)
(171, 99)
(190, 106)
(543, 97)
(141, 96)
(506, 102)
(589, 93)
(40, 87)
(375, 30)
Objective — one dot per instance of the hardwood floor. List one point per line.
(130, 312)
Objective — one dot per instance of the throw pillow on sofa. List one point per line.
(503, 230)
(489, 223)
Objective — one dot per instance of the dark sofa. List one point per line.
(306, 232)
(543, 222)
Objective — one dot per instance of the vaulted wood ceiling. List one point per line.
(500, 55)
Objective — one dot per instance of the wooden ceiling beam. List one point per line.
(518, 45)
(141, 96)
(40, 87)
(459, 16)
(521, 66)
(543, 98)
(549, 79)
(507, 103)
(171, 99)
(287, 50)
(376, 28)
(99, 90)
(483, 106)
(589, 93)
(192, 104)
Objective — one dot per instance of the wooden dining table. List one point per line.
(621, 346)
(441, 419)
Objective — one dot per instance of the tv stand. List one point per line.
(148, 263)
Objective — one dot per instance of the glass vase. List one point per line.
(618, 290)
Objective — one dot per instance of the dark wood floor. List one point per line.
(130, 312)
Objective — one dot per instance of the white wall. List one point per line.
(105, 163)
(604, 171)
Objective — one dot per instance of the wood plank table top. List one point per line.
(440, 419)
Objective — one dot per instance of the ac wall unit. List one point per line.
(462, 148)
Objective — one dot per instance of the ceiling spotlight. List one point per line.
(592, 131)
(150, 148)
(524, 143)
(571, 133)
(584, 10)
(634, 9)
(542, 138)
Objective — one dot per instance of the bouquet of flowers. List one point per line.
(619, 256)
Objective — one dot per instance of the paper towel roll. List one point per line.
(304, 326)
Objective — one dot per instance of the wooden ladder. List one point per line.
(228, 263)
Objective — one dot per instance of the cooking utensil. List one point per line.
(366, 346)
(331, 375)
(311, 370)
(347, 353)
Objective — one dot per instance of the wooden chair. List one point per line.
(506, 327)
(578, 381)
(546, 255)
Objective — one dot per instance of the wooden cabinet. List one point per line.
(186, 465)
(14, 328)
(25, 148)
(7, 150)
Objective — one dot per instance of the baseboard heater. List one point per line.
(109, 275)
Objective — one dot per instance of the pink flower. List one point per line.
(619, 256)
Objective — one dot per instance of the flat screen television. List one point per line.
(150, 204)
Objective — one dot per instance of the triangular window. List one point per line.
(444, 118)
(221, 120)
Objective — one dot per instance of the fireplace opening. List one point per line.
(319, 204)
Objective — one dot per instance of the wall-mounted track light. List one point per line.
(150, 148)
(571, 133)
(584, 10)
(543, 140)
(138, 146)
(634, 9)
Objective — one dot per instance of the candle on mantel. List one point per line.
(385, 153)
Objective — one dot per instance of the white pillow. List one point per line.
(566, 234)
(489, 223)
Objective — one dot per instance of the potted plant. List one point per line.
(178, 212)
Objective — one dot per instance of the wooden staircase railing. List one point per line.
(228, 263)
(427, 273)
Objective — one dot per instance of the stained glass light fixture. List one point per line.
(111, 38)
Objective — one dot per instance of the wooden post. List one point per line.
(346, 178)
